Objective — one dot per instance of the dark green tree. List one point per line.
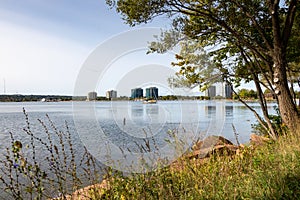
(247, 94)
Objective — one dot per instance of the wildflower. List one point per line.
(15, 165)
(51, 164)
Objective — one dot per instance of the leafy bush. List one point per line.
(277, 123)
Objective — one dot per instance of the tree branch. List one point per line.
(289, 23)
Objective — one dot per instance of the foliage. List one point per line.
(247, 94)
(20, 98)
(195, 67)
(268, 172)
(169, 97)
(277, 122)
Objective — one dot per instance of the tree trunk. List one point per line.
(272, 132)
(287, 108)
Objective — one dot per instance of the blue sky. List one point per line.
(81, 21)
(43, 43)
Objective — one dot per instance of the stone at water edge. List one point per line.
(210, 142)
(258, 140)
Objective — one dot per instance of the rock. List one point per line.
(210, 142)
(90, 192)
(226, 149)
(197, 145)
(257, 140)
(210, 145)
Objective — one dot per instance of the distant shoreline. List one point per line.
(33, 98)
(59, 98)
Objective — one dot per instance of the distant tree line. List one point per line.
(252, 94)
(243, 93)
(178, 97)
(246, 94)
(22, 98)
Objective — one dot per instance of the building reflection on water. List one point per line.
(152, 109)
(218, 109)
(220, 117)
(144, 113)
(229, 111)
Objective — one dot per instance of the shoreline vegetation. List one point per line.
(58, 98)
(213, 168)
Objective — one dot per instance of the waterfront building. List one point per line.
(220, 90)
(111, 94)
(228, 91)
(92, 96)
(152, 93)
(137, 93)
(211, 91)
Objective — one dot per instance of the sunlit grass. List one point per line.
(271, 171)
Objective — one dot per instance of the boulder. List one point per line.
(210, 141)
(257, 140)
(226, 149)
(210, 145)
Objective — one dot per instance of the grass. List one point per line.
(270, 171)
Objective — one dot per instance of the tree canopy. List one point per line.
(250, 40)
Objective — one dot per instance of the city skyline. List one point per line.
(218, 89)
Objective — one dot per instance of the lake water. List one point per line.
(133, 119)
(123, 125)
(120, 129)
